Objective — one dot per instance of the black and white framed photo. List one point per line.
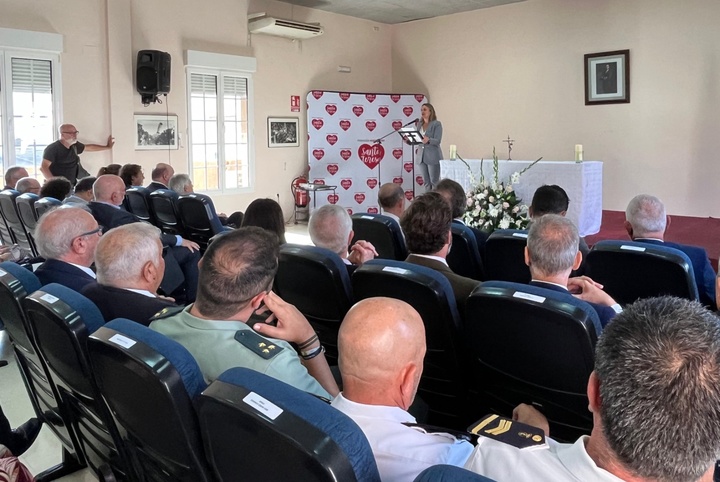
(607, 77)
(156, 132)
(283, 132)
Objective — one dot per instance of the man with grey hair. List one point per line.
(13, 175)
(67, 237)
(646, 221)
(130, 268)
(655, 400)
(330, 227)
(28, 184)
(552, 253)
(181, 184)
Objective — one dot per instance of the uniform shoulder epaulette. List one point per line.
(166, 312)
(257, 344)
(508, 431)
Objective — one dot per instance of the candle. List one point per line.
(453, 151)
(578, 152)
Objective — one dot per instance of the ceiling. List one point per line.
(398, 11)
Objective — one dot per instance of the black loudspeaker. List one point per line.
(153, 72)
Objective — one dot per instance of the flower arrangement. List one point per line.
(492, 204)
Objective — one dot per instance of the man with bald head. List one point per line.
(161, 175)
(382, 345)
(62, 157)
(13, 175)
(67, 237)
(391, 199)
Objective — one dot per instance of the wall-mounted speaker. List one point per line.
(153, 72)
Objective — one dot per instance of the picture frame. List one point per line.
(607, 77)
(283, 132)
(156, 132)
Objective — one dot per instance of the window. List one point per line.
(220, 140)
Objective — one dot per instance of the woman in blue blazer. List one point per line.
(429, 153)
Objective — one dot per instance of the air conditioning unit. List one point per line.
(283, 28)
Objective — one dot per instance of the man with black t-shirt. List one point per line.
(62, 157)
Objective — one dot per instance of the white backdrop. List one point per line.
(341, 129)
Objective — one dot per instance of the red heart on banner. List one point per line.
(318, 154)
(350, 211)
(408, 166)
(331, 108)
(395, 98)
(345, 154)
(370, 97)
(371, 155)
(408, 110)
(346, 183)
(371, 125)
(344, 95)
(397, 153)
(319, 181)
(358, 110)
(373, 210)
(383, 111)
(345, 124)
(372, 182)
(398, 180)
(409, 195)
(317, 94)
(419, 97)
(317, 123)
(333, 198)
(332, 169)
(419, 180)
(359, 198)
(396, 124)
(332, 139)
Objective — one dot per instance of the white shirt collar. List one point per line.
(436, 258)
(141, 292)
(85, 269)
(549, 283)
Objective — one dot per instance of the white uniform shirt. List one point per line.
(552, 462)
(402, 452)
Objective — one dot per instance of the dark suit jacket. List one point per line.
(462, 286)
(704, 272)
(121, 303)
(605, 313)
(56, 271)
(109, 217)
(154, 186)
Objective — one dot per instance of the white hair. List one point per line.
(330, 228)
(123, 251)
(56, 229)
(178, 182)
(646, 214)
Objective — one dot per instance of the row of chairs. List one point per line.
(20, 213)
(515, 343)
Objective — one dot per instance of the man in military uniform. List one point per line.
(62, 157)
(236, 275)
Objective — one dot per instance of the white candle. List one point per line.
(578, 152)
(453, 151)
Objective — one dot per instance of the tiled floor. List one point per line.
(46, 451)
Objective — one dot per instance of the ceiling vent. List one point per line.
(283, 28)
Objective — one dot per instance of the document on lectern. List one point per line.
(411, 135)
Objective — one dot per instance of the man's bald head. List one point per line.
(382, 345)
(391, 198)
(109, 189)
(162, 173)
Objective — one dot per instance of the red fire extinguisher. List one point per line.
(300, 195)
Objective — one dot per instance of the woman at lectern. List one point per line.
(429, 152)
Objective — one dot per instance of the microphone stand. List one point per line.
(380, 140)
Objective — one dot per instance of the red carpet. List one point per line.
(704, 232)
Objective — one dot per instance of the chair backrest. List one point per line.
(163, 205)
(464, 256)
(26, 209)
(197, 214)
(45, 204)
(138, 204)
(443, 385)
(149, 382)
(449, 473)
(316, 281)
(264, 429)
(5, 235)
(14, 223)
(16, 283)
(532, 345)
(505, 256)
(383, 232)
(618, 265)
(61, 320)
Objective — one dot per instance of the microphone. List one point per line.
(414, 121)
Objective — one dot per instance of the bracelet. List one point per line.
(308, 342)
(312, 354)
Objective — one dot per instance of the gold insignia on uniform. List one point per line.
(257, 344)
(503, 426)
(271, 347)
(537, 438)
(508, 431)
(262, 344)
(266, 350)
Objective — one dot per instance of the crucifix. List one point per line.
(510, 144)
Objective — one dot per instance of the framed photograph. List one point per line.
(283, 132)
(607, 77)
(156, 132)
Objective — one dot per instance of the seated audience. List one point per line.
(28, 184)
(236, 275)
(267, 214)
(655, 400)
(382, 345)
(66, 237)
(130, 267)
(57, 187)
(552, 253)
(646, 221)
(454, 193)
(182, 184)
(109, 169)
(13, 175)
(391, 199)
(132, 175)
(83, 192)
(426, 224)
(330, 227)
(161, 175)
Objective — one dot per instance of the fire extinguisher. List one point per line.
(300, 195)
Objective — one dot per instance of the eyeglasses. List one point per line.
(72, 132)
(90, 233)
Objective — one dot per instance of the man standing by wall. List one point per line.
(62, 157)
